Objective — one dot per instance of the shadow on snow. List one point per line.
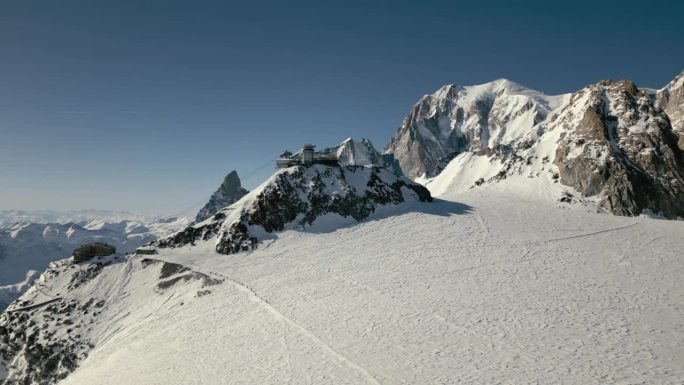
(438, 207)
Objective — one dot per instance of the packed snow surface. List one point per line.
(488, 289)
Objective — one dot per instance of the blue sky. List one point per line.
(146, 105)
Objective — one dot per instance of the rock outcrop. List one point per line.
(617, 145)
(92, 250)
(229, 192)
(671, 99)
(295, 198)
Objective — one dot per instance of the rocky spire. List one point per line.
(229, 192)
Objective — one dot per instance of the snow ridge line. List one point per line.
(278, 315)
(37, 305)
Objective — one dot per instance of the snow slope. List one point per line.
(479, 288)
(27, 246)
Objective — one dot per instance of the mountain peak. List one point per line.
(231, 181)
(229, 192)
(506, 83)
(456, 118)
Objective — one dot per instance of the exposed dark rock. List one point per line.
(86, 274)
(146, 251)
(168, 269)
(92, 250)
(47, 359)
(229, 192)
(297, 197)
(206, 280)
(671, 100)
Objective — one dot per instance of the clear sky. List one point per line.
(146, 105)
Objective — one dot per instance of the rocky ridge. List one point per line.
(671, 100)
(295, 198)
(615, 144)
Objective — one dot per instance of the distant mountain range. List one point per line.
(8, 217)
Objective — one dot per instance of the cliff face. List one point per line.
(671, 99)
(616, 144)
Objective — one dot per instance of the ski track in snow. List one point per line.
(244, 288)
(481, 222)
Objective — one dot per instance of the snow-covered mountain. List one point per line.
(608, 143)
(229, 192)
(457, 119)
(296, 197)
(31, 239)
(9, 217)
(489, 289)
(356, 153)
(318, 198)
